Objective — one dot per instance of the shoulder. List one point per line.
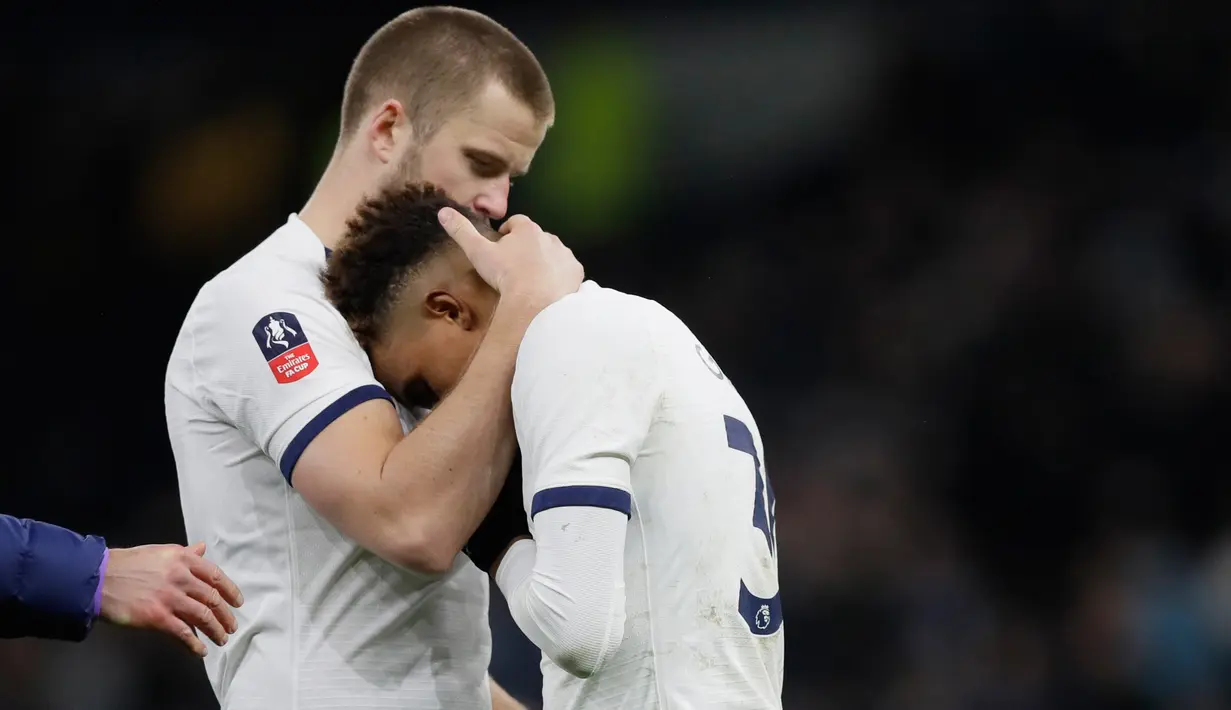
(593, 312)
(262, 284)
(284, 266)
(270, 297)
(599, 327)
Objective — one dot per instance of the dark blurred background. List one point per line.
(968, 264)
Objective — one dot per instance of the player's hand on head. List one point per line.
(527, 264)
(172, 589)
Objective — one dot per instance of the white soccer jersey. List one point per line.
(262, 364)
(618, 406)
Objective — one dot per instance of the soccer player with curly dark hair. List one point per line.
(650, 577)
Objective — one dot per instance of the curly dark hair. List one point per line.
(392, 235)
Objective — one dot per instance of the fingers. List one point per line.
(205, 599)
(174, 590)
(199, 616)
(517, 220)
(209, 573)
(212, 599)
(529, 265)
(175, 626)
(463, 232)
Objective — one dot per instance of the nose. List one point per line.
(493, 200)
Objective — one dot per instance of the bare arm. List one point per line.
(501, 700)
(415, 499)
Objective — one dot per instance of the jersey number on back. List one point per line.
(763, 615)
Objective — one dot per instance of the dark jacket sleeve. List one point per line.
(48, 580)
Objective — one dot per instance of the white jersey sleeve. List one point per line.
(584, 395)
(279, 364)
(261, 365)
(585, 391)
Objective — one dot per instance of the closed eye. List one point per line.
(486, 164)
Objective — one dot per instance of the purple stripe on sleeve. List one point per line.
(102, 574)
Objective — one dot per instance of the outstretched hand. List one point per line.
(172, 589)
(526, 264)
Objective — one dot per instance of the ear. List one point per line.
(442, 305)
(388, 128)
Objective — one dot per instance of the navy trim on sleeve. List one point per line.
(582, 496)
(328, 415)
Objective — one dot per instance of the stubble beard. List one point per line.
(410, 170)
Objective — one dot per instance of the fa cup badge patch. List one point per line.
(285, 347)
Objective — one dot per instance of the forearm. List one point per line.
(441, 479)
(565, 589)
(501, 700)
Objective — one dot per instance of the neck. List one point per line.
(336, 198)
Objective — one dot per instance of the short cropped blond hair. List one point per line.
(436, 60)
